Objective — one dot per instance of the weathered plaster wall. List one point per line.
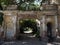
(10, 23)
(12, 18)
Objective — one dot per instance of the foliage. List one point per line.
(3, 1)
(37, 33)
(28, 23)
(6, 2)
(43, 0)
(28, 5)
(23, 4)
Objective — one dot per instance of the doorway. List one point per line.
(51, 25)
(28, 28)
(49, 28)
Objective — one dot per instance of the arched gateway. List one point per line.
(11, 22)
(12, 19)
(27, 17)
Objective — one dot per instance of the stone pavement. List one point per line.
(29, 41)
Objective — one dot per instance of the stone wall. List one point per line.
(11, 20)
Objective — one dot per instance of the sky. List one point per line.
(37, 2)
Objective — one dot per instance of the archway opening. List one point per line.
(28, 28)
(49, 31)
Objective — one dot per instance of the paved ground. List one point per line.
(27, 41)
(30, 41)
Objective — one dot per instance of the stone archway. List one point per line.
(51, 19)
(27, 15)
(28, 24)
(11, 21)
(29, 28)
(16, 15)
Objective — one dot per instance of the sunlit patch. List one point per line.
(27, 30)
(32, 36)
(49, 44)
(58, 36)
(24, 42)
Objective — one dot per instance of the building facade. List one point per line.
(50, 13)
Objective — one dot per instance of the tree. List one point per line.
(29, 4)
(23, 4)
(7, 2)
(43, 0)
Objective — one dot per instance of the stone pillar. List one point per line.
(56, 22)
(17, 30)
(43, 25)
(10, 26)
(4, 27)
(56, 25)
